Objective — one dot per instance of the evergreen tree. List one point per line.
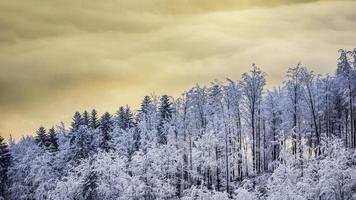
(165, 111)
(93, 121)
(90, 185)
(52, 140)
(143, 122)
(145, 105)
(147, 114)
(5, 160)
(106, 127)
(129, 119)
(124, 118)
(41, 137)
(77, 121)
(120, 117)
(86, 118)
(145, 108)
(343, 65)
(165, 108)
(82, 143)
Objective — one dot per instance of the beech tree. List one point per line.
(252, 86)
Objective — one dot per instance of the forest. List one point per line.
(228, 140)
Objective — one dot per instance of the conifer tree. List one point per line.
(129, 118)
(124, 118)
(86, 118)
(165, 111)
(143, 118)
(41, 137)
(77, 121)
(165, 108)
(82, 143)
(147, 113)
(52, 140)
(145, 105)
(106, 127)
(120, 117)
(93, 121)
(5, 160)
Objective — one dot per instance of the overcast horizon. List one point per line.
(61, 56)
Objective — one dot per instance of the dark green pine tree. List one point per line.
(165, 108)
(93, 121)
(86, 118)
(82, 144)
(343, 66)
(129, 119)
(77, 121)
(106, 126)
(90, 185)
(165, 111)
(145, 105)
(5, 160)
(52, 140)
(120, 118)
(41, 137)
(124, 118)
(142, 115)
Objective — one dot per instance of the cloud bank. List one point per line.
(60, 56)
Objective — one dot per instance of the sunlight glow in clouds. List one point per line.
(60, 56)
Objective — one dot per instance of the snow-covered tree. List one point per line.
(77, 121)
(93, 120)
(52, 140)
(41, 137)
(252, 87)
(86, 118)
(5, 160)
(165, 110)
(106, 127)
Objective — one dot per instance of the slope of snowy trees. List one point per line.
(233, 140)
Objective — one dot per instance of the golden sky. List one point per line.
(60, 56)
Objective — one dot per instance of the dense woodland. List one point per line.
(230, 140)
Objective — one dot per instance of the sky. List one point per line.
(62, 56)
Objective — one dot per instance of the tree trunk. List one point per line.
(227, 162)
(352, 132)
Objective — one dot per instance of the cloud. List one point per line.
(57, 57)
